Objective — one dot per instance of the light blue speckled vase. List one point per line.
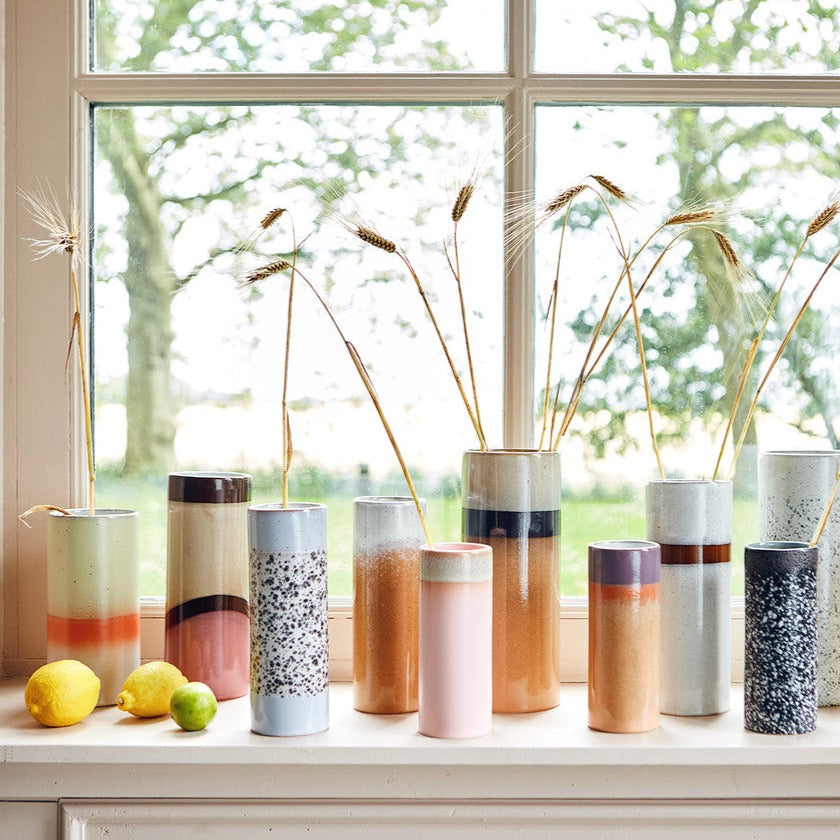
(288, 588)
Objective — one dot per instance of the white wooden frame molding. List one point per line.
(48, 91)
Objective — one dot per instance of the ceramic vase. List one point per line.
(511, 502)
(93, 599)
(387, 536)
(207, 625)
(692, 522)
(624, 636)
(780, 651)
(288, 589)
(456, 632)
(793, 490)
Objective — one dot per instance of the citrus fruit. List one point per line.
(193, 706)
(148, 689)
(62, 693)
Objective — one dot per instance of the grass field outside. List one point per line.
(584, 520)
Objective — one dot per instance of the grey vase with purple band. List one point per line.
(793, 488)
(780, 648)
(288, 589)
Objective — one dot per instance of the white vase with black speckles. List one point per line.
(793, 488)
(692, 522)
(288, 593)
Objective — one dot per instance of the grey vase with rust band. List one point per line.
(692, 522)
(207, 624)
(512, 503)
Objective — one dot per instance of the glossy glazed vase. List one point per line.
(288, 589)
(511, 502)
(780, 650)
(207, 625)
(93, 598)
(793, 488)
(387, 536)
(456, 633)
(692, 522)
(624, 636)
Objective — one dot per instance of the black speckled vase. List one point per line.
(780, 654)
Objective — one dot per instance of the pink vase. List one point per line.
(456, 638)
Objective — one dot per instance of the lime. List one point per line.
(62, 693)
(148, 689)
(193, 706)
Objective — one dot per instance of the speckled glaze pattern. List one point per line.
(780, 652)
(288, 594)
(793, 488)
(692, 521)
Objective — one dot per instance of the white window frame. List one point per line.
(48, 90)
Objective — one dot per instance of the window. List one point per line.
(687, 101)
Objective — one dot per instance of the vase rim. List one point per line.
(454, 547)
(384, 500)
(292, 507)
(690, 481)
(780, 545)
(511, 452)
(624, 545)
(98, 513)
(801, 452)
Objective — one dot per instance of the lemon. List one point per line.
(149, 688)
(62, 693)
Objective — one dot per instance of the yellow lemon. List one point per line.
(62, 693)
(149, 688)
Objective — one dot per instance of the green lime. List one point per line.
(193, 706)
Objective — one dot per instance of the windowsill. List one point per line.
(551, 755)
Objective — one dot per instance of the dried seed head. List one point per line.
(461, 202)
(613, 189)
(700, 216)
(373, 238)
(271, 217)
(266, 271)
(823, 218)
(64, 233)
(727, 251)
(561, 200)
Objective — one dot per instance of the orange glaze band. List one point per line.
(689, 555)
(610, 592)
(93, 631)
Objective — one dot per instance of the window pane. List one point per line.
(353, 36)
(188, 366)
(707, 36)
(778, 166)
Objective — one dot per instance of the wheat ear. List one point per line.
(775, 359)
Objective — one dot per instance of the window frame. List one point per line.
(48, 92)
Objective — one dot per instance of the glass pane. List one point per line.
(188, 365)
(672, 36)
(266, 36)
(778, 168)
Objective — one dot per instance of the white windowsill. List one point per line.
(549, 756)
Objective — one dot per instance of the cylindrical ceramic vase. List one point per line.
(387, 536)
(692, 522)
(780, 651)
(624, 636)
(512, 503)
(288, 587)
(207, 580)
(793, 488)
(93, 599)
(456, 631)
